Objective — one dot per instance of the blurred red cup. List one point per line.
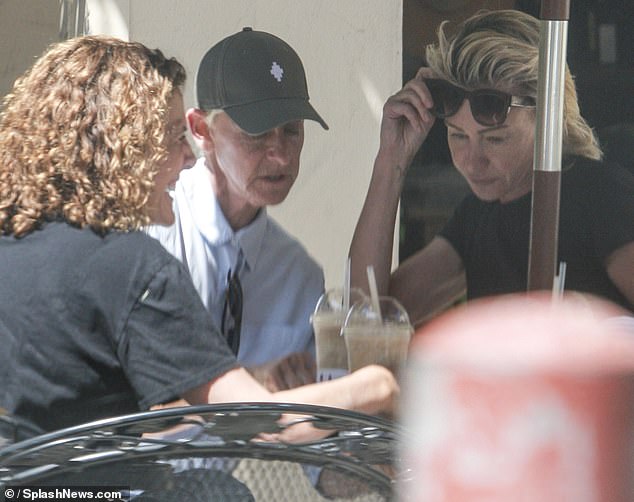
(521, 399)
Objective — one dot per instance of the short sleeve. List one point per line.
(610, 208)
(169, 343)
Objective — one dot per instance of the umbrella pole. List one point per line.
(543, 244)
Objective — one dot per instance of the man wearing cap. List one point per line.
(259, 283)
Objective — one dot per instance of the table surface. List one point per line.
(143, 449)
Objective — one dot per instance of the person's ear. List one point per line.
(201, 133)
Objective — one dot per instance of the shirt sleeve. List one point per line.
(169, 344)
(610, 208)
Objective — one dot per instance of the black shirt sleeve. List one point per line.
(610, 207)
(169, 344)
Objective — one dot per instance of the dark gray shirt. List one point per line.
(94, 326)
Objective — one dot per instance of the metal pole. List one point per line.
(72, 18)
(543, 243)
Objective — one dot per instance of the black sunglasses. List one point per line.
(232, 312)
(488, 107)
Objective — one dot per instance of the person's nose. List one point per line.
(278, 148)
(474, 158)
(189, 159)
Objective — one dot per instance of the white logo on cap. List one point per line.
(277, 71)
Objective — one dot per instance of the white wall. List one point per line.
(351, 50)
(27, 27)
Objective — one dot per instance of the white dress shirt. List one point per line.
(281, 283)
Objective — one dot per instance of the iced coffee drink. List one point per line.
(332, 358)
(377, 344)
(328, 318)
(373, 338)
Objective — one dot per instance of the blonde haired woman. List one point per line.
(482, 82)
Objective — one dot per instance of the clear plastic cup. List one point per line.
(374, 339)
(327, 320)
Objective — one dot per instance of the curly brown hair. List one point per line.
(82, 135)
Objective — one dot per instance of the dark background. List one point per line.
(433, 188)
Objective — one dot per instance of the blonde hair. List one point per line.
(82, 134)
(500, 50)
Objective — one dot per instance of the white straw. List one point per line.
(559, 281)
(346, 286)
(374, 293)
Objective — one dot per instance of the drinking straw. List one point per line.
(559, 281)
(374, 293)
(346, 286)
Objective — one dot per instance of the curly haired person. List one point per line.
(96, 318)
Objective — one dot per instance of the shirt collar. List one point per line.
(251, 237)
(196, 191)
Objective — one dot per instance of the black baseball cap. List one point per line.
(257, 79)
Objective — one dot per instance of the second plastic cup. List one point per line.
(377, 339)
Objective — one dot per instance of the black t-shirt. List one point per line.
(94, 326)
(596, 218)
